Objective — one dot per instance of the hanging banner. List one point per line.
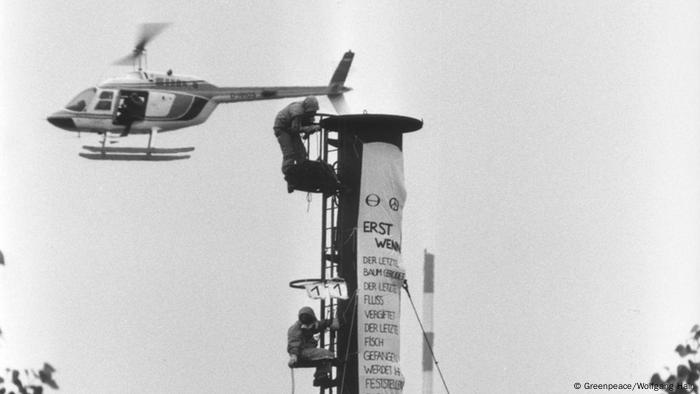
(379, 272)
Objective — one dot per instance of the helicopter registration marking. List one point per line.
(168, 82)
(242, 96)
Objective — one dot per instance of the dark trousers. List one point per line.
(293, 150)
(314, 354)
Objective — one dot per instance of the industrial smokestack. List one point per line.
(370, 166)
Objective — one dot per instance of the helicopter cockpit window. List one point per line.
(79, 103)
(104, 105)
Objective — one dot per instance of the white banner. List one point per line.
(379, 272)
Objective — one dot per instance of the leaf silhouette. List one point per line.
(656, 379)
(47, 379)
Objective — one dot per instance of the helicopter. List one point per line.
(145, 102)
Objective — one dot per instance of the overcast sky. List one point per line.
(555, 179)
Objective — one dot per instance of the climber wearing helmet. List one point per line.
(292, 121)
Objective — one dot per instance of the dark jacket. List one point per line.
(288, 120)
(297, 117)
(301, 336)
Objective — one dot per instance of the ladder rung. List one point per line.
(332, 258)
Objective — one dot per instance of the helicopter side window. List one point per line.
(79, 103)
(105, 103)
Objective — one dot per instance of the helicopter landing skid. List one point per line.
(131, 157)
(150, 153)
(119, 149)
(134, 153)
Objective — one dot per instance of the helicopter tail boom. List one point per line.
(334, 90)
(234, 95)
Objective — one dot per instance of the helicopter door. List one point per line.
(131, 107)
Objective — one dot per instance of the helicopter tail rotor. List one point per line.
(148, 32)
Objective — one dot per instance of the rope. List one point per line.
(292, 369)
(425, 336)
(352, 233)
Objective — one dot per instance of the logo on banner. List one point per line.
(372, 200)
(394, 204)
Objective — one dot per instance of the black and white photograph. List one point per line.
(349, 197)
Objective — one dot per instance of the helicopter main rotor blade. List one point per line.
(148, 32)
(127, 60)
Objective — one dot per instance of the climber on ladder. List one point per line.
(303, 350)
(293, 121)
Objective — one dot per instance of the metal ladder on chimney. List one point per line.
(330, 256)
